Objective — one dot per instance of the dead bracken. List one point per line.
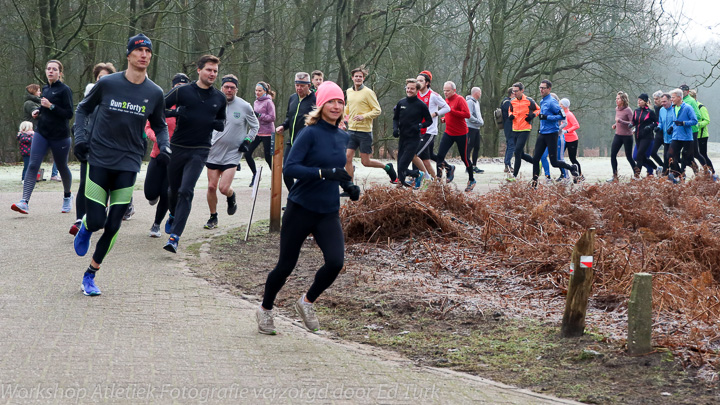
(670, 231)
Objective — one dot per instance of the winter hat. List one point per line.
(180, 78)
(326, 92)
(684, 87)
(565, 103)
(644, 97)
(138, 41)
(427, 73)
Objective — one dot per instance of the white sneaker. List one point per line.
(307, 313)
(266, 321)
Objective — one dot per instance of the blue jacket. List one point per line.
(686, 114)
(665, 121)
(550, 107)
(319, 146)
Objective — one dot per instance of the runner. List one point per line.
(52, 132)
(510, 136)
(156, 177)
(456, 132)
(550, 117)
(438, 108)
(474, 123)
(703, 122)
(623, 135)
(122, 103)
(410, 115)
(571, 136)
(523, 110)
(316, 77)
(265, 111)
(299, 105)
(645, 121)
(665, 122)
(361, 109)
(658, 140)
(200, 110)
(687, 99)
(227, 148)
(100, 70)
(683, 117)
(317, 160)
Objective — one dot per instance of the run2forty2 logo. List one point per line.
(127, 107)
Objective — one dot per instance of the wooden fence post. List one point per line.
(640, 315)
(276, 184)
(580, 285)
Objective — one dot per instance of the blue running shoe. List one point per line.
(168, 224)
(172, 244)
(672, 178)
(451, 174)
(21, 207)
(82, 240)
(88, 285)
(418, 180)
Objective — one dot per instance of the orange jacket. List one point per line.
(520, 108)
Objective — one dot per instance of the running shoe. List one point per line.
(559, 179)
(715, 177)
(266, 321)
(130, 212)
(169, 223)
(511, 178)
(55, 178)
(154, 201)
(574, 170)
(172, 244)
(307, 313)
(548, 179)
(212, 222)
(21, 207)
(391, 172)
(67, 204)
(507, 169)
(82, 240)
(673, 178)
(612, 179)
(252, 181)
(88, 285)
(232, 204)
(451, 174)
(418, 180)
(470, 186)
(155, 231)
(74, 228)
(478, 171)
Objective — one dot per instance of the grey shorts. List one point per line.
(360, 140)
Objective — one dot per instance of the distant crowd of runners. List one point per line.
(196, 127)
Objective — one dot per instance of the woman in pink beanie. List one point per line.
(317, 160)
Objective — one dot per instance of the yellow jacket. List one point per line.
(361, 102)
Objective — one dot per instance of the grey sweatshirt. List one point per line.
(241, 123)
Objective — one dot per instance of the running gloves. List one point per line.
(335, 174)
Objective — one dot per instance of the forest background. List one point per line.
(589, 49)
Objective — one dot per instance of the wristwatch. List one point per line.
(52, 106)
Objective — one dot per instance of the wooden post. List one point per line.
(277, 184)
(580, 285)
(640, 315)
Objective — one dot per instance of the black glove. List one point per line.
(657, 131)
(335, 174)
(257, 114)
(81, 151)
(542, 116)
(164, 157)
(352, 190)
(511, 117)
(218, 125)
(396, 134)
(679, 123)
(670, 130)
(529, 117)
(244, 146)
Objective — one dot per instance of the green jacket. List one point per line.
(691, 101)
(703, 121)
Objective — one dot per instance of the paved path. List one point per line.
(158, 334)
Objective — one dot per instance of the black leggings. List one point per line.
(289, 181)
(571, 148)
(627, 143)
(521, 138)
(643, 144)
(156, 186)
(297, 224)
(696, 149)
(106, 187)
(407, 146)
(657, 143)
(186, 165)
(266, 141)
(549, 142)
(80, 205)
(702, 145)
(680, 150)
(446, 142)
(474, 139)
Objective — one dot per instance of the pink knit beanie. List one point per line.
(326, 92)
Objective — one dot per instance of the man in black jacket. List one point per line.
(299, 105)
(409, 116)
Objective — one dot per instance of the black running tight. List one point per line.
(297, 223)
(702, 145)
(520, 155)
(267, 151)
(156, 186)
(618, 142)
(572, 148)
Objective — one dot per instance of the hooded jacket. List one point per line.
(265, 110)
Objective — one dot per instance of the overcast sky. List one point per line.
(702, 16)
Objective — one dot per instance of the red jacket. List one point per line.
(455, 124)
(171, 122)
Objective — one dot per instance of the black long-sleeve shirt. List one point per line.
(54, 124)
(408, 117)
(199, 111)
(295, 117)
(121, 110)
